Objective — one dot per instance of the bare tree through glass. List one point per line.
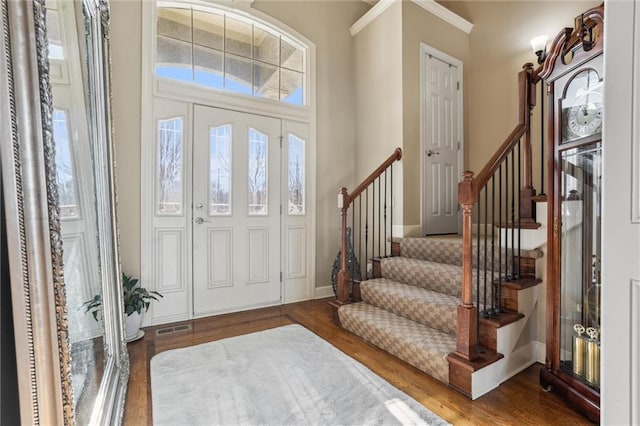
(257, 183)
(65, 176)
(170, 166)
(220, 170)
(296, 175)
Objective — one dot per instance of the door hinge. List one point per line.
(458, 146)
(280, 209)
(458, 85)
(281, 141)
(280, 276)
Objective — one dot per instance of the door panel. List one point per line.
(236, 199)
(441, 147)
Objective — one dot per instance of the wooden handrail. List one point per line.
(397, 155)
(468, 191)
(344, 201)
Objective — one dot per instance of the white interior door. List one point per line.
(441, 143)
(236, 210)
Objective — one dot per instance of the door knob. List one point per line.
(432, 152)
(200, 220)
(199, 206)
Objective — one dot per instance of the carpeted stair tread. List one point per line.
(433, 309)
(434, 276)
(449, 250)
(423, 347)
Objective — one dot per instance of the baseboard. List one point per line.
(400, 231)
(539, 351)
(322, 292)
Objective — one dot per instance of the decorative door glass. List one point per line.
(581, 187)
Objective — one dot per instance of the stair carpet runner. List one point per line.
(411, 311)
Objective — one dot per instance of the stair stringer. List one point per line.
(516, 358)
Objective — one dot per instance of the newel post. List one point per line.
(466, 335)
(343, 275)
(527, 88)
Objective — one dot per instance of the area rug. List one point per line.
(282, 376)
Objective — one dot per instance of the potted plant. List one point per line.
(136, 301)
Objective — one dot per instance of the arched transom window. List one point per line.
(222, 50)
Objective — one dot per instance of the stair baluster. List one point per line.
(372, 233)
(488, 298)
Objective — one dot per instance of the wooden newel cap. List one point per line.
(467, 175)
(398, 153)
(527, 66)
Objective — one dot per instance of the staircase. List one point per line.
(461, 310)
(410, 308)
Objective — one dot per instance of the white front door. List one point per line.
(441, 143)
(236, 210)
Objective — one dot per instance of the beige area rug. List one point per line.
(283, 376)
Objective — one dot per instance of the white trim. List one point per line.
(323, 292)
(635, 351)
(539, 350)
(635, 131)
(429, 5)
(190, 92)
(370, 16)
(402, 231)
(426, 51)
(155, 88)
(445, 14)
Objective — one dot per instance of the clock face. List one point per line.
(582, 106)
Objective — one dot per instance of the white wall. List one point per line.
(620, 359)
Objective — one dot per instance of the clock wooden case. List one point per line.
(573, 74)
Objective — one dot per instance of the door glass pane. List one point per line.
(54, 37)
(239, 36)
(266, 80)
(208, 29)
(220, 170)
(266, 46)
(292, 56)
(175, 23)
(237, 76)
(291, 87)
(208, 65)
(173, 59)
(581, 173)
(170, 166)
(65, 174)
(258, 144)
(296, 169)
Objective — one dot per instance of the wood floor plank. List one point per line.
(519, 401)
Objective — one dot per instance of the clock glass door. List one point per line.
(582, 106)
(580, 215)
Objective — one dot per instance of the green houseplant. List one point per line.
(136, 301)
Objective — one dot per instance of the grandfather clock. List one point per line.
(573, 72)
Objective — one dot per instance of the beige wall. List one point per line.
(323, 22)
(378, 95)
(126, 70)
(419, 26)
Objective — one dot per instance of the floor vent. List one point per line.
(174, 329)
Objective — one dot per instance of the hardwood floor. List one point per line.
(519, 401)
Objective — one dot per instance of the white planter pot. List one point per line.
(132, 325)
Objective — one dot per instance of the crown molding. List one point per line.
(370, 16)
(445, 14)
(429, 5)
